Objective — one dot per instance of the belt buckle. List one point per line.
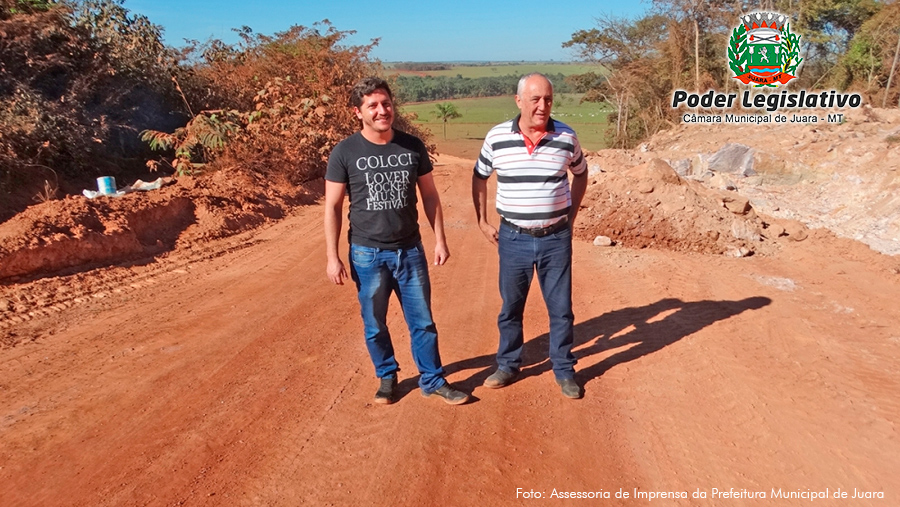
(543, 231)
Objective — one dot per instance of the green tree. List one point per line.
(869, 65)
(639, 69)
(445, 112)
(12, 7)
(828, 27)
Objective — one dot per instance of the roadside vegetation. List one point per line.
(77, 81)
(87, 89)
(681, 44)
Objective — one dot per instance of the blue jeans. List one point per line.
(551, 257)
(377, 273)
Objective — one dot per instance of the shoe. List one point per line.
(385, 393)
(570, 388)
(500, 378)
(449, 394)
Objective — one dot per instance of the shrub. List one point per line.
(74, 90)
(289, 96)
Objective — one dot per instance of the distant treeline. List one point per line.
(426, 88)
(420, 66)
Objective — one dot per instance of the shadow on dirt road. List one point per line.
(639, 331)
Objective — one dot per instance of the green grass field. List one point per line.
(478, 115)
(501, 69)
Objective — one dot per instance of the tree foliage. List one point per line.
(286, 94)
(71, 103)
(88, 89)
(683, 44)
(203, 138)
(428, 88)
(445, 112)
(9, 8)
(869, 64)
(634, 54)
(421, 66)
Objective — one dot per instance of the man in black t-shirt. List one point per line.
(379, 169)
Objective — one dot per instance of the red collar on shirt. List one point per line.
(528, 144)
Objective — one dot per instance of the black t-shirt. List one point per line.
(381, 185)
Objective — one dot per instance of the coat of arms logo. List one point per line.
(763, 51)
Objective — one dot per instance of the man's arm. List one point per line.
(334, 204)
(431, 201)
(479, 199)
(579, 185)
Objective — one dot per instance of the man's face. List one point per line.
(376, 111)
(535, 103)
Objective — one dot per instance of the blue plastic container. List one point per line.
(106, 185)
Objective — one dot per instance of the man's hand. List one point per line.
(441, 254)
(479, 199)
(336, 272)
(490, 233)
(334, 201)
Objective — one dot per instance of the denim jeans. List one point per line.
(377, 273)
(551, 256)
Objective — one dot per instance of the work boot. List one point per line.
(385, 393)
(500, 378)
(450, 395)
(570, 388)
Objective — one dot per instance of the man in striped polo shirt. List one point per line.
(532, 155)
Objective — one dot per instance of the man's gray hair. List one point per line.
(521, 87)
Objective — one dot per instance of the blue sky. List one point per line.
(499, 30)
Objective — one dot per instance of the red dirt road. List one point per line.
(241, 378)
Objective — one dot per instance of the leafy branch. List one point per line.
(202, 137)
(790, 46)
(737, 46)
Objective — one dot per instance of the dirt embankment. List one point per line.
(651, 206)
(77, 233)
(842, 177)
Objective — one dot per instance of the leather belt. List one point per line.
(537, 232)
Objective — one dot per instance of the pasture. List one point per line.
(465, 134)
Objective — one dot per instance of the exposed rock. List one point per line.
(733, 158)
(704, 176)
(602, 241)
(679, 214)
(656, 170)
(742, 229)
(700, 164)
(795, 230)
(738, 252)
(682, 167)
(721, 182)
(736, 204)
(773, 231)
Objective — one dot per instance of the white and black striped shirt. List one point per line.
(532, 185)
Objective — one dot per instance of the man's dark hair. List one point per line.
(366, 86)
